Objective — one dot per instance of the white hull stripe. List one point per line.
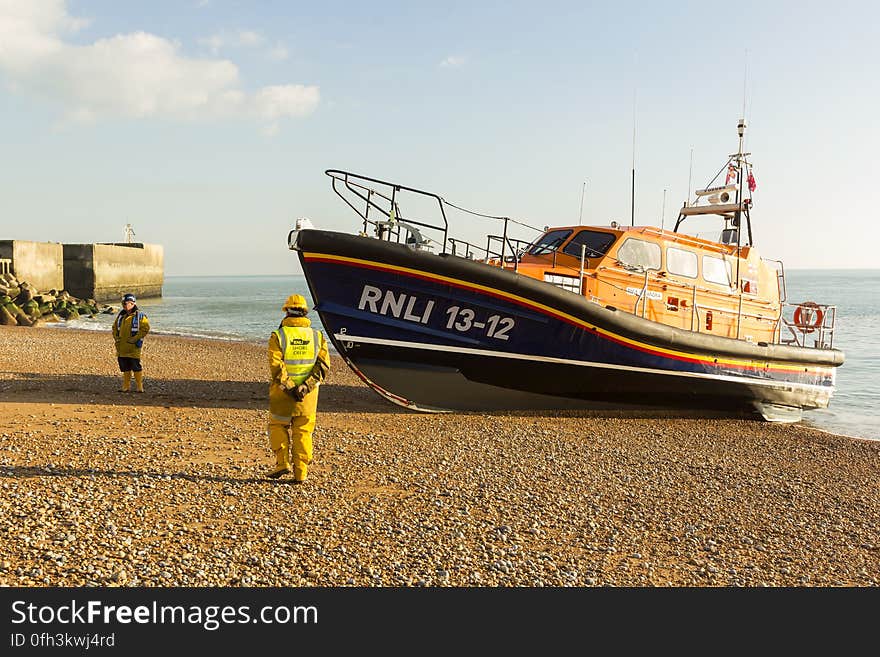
(782, 385)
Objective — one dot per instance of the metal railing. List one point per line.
(387, 221)
(511, 251)
(386, 204)
(811, 325)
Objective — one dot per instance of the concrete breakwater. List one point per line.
(101, 271)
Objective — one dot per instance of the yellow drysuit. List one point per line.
(292, 422)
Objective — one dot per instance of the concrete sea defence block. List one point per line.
(107, 271)
(39, 263)
(102, 272)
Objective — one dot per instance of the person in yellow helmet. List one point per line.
(299, 362)
(129, 330)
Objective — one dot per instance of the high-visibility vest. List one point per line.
(299, 349)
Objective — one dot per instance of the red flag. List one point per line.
(752, 183)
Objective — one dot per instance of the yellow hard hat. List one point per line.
(295, 302)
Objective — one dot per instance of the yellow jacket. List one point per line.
(279, 381)
(128, 345)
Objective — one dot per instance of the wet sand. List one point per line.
(165, 488)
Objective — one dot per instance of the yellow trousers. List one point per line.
(291, 424)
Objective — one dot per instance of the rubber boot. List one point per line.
(139, 381)
(279, 440)
(282, 465)
(126, 382)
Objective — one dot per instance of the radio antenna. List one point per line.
(663, 211)
(633, 193)
(687, 198)
(581, 215)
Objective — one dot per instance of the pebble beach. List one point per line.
(166, 488)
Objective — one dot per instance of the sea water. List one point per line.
(249, 308)
(855, 406)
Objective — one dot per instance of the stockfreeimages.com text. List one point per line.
(210, 617)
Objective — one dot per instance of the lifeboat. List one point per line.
(600, 316)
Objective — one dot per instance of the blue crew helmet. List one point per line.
(129, 297)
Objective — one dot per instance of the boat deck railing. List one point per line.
(810, 325)
(504, 250)
(378, 205)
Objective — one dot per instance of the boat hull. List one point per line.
(439, 333)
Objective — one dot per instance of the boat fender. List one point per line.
(808, 316)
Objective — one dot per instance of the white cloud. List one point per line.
(239, 39)
(136, 75)
(453, 61)
(287, 100)
(279, 53)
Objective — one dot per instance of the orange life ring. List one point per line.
(808, 316)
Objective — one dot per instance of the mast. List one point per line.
(726, 201)
(737, 216)
(741, 129)
(741, 170)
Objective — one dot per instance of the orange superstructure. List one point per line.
(667, 277)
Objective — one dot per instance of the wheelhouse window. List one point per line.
(681, 262)
(639, 254)
(549, 242)
(596, 244)
(716, 270)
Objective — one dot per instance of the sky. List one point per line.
(208, 124)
